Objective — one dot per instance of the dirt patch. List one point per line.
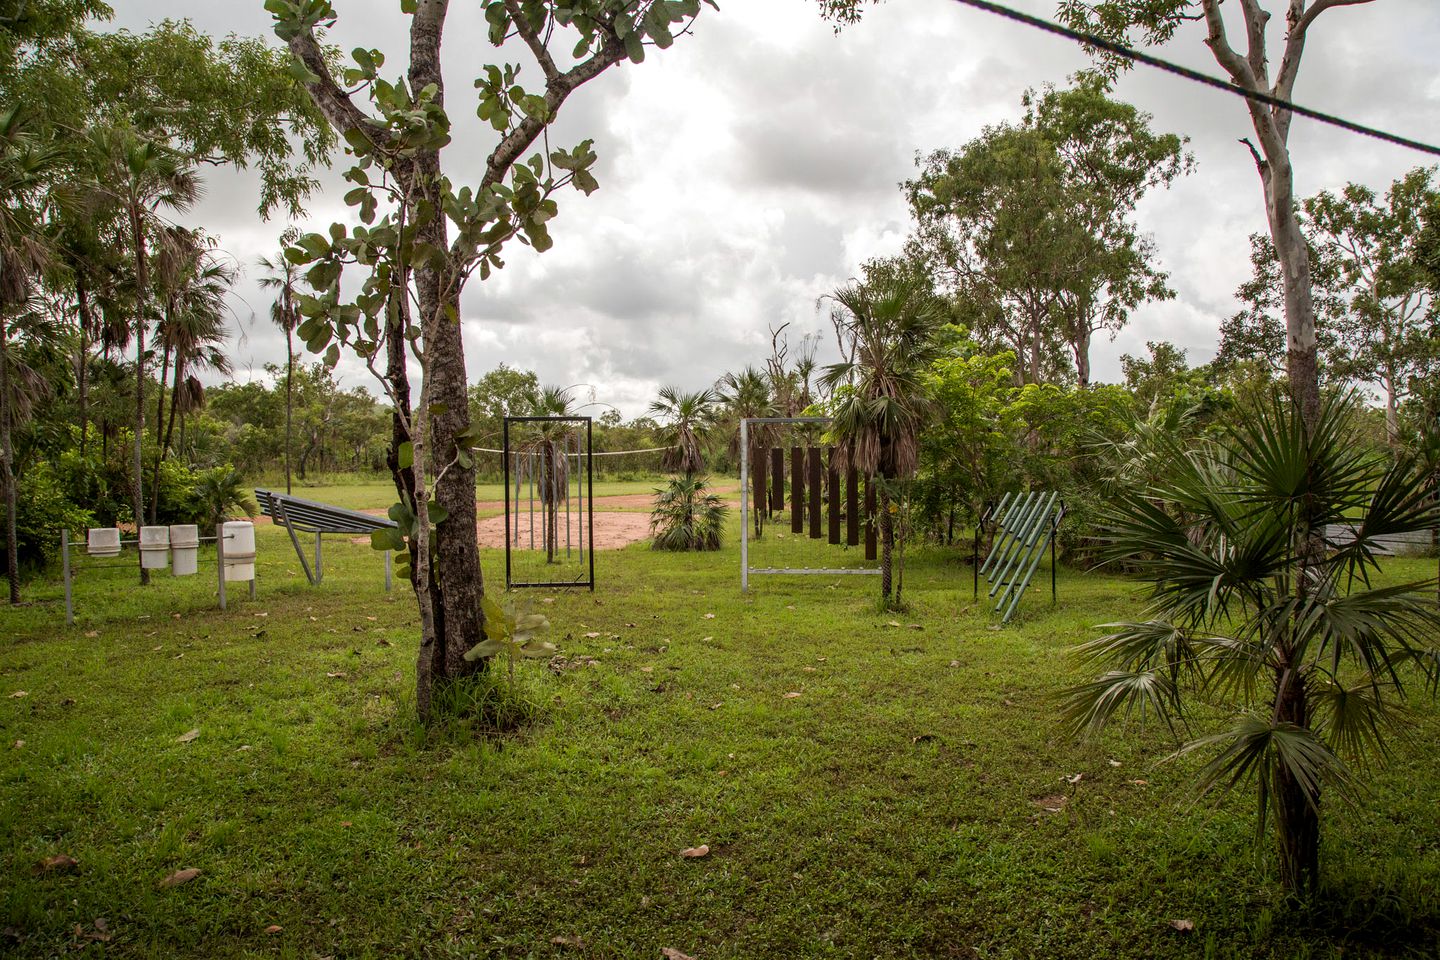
(612, 530)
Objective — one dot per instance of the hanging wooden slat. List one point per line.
(757, 474)
(814, 493)
(777, 480)
(872, 520)
(797, 490)
(832, 493)
(852, 507)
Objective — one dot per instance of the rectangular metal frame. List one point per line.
(798, 510)
(510, 583)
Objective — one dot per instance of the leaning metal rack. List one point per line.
(1022, 525)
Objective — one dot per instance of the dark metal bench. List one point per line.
(298, 515)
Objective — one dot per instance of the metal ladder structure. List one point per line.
(1023, 524)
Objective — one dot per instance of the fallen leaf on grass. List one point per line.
(180, 876)
(647, 669)
(670, 953)
(188, 736)
(337, 675)
(592, 634)
(808, 669)
(274, 928)
(792, 695)
(19, 744)
(923, 738)
(695, 853)
(709, 616)
(1072, 780)
(1114, 763)
(1138, 783)
(954, 663)
(1184, 926)
(19, 693)
(892, 623)
(1051, 804)
(61, 861)
(706, 639)
(575, 942)
(92, 634)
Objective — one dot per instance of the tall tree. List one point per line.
(283, 277)
(432, 236)
(25, 252)
(1159, 22)
(141, 178)
(687, 418)
(890, 326)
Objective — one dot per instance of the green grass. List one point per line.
(380, 493)
(899, 807)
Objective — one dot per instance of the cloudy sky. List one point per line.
(754, 166)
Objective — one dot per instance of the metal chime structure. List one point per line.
(814, 482)
(549, 502)
(1022, 523)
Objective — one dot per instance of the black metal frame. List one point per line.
(510, 582)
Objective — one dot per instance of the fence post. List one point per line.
(65, 563)
(220, 560)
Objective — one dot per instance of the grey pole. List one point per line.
(387, 571)
(65, 563)
(220, 560)
(744, 507)
(319, 574)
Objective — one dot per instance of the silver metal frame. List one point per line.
(746, 571)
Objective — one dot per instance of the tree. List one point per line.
(25, 252)
(283, 276)
(889, 327)
(688, 417)
(432, 236)
(749, 394)
(1386, 327)
(1111, 159)
(1322, 674)
(550, 444)
(1158, 22)
(140, 177)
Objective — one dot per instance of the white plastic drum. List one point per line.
(103, 542)
(184, 549)
(239, 550)
(154, 548)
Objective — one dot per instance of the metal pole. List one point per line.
(387, 571)
(319, 573)
(220, 560)
(1019, 545)
(744, 507)
(590, 488)
(505, 469)
(65, 564)
(1005, 513)
(530, 487)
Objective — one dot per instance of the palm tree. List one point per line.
(283, 276)
(1317, 657)
(140, 177)
(551, 443)
(688, 417)
(686, 516)
(748, 394)
(888, 328)
(25, 252)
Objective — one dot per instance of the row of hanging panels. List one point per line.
(818, 502)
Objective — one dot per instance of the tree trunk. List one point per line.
(1297, 816)
(7, 469)
(887, 544)
(160, 419)
(82, 305)
(290, 389)
(142, 283)
(180, 364)
(1082, 357)
(1392, 412)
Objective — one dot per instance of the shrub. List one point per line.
(43, 510)
(687, 516)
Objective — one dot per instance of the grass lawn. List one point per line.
(380, 493)
(865, 789)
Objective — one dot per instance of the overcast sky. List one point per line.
(755, 165)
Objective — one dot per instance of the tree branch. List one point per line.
(1299, 20)
(333, 102)
(533, 40)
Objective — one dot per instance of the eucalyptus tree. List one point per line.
(26, 252)
(1320, 676)
(890, 330)
(418, 252)
(283, 277)
(141, 178)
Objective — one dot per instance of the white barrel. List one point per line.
(103, 542)
(239, 550)
(154, 548)
(184, 549)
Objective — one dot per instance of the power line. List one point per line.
(1129, 53)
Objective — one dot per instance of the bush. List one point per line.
(686, 516)
(43, 510)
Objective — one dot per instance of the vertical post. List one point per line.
(590, 491)
(757, 480)
(387, 571)
(777, 479)
(65, 564)
(852, 507)
(744, 507)
(832, 491)
(319, 573)
(505, 469)
(797, 492)
(814, 458)
(1054, 594)
(220, 560)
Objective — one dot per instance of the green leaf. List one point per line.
(405, 455)
(483, 649)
